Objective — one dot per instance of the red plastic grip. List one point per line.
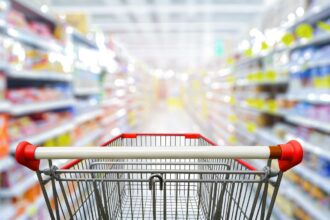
(129, 135)
(192, 136)
(292, 154)
(25, 155)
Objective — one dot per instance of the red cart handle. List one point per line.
(291, 155)
(25, 155)
(288, 155)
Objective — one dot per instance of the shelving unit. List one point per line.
(38, 75)
(39, 107)
(43, 136)
(324, 126)
(87, 104)
(235, 121)
(88, 116)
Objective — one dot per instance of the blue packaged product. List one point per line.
(324, 166)
(305, 77)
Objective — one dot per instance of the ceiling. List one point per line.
(172, 34)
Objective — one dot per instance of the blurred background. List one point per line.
(242, 72)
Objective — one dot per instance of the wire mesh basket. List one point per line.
(159, 176)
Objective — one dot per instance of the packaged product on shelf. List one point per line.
(311, 111)
(63, 140)
(17, 19)
(4, 145)
(15, 54)
(26, 126)
(30, 95)
(41, 29)
(14, 175)
(285, 205)
(301, 214)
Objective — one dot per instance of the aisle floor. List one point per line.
(164, 119)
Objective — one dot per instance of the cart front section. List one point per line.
(159, 188)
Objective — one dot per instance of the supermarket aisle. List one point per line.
(165, 119)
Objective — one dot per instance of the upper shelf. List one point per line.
(37, 75)
(30, 38)
(312, 123)
(80, 39)
(313, 16)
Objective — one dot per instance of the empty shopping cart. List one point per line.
(159, 176)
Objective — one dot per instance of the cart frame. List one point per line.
(199, 182)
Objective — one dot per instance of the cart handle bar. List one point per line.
(288, 155)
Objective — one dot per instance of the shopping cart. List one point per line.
(159, 176)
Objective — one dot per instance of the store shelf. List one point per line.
(7, 211)
(88, 116)
(113, 117)
(88, 138)
(19, 188)
(36, 205)
(300, 198)
(318, 63)
(323, 126)
(310, 97)
(317, 40)
(38, 75)
(86, 91)
(281, 81)
(6, 163)
(242, 130)
(268, 137)
(279, 113)
(111, 102)
(30, 38)
(316, 178)
(4, 106)
(310, 147)
(313, 16)
(46, 135)
(81, 39)
(20, 109)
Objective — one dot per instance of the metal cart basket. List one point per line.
(159, 176)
